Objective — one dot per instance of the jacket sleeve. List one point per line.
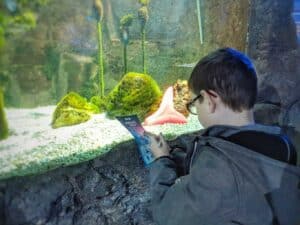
(178, 155)
(207, 195)
(179, 149)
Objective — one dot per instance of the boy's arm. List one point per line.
(180, 147)
(195, 198)
(178, 155)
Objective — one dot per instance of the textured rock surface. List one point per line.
(112, 189)
(226, 23)
(273, 47)
(275, 50)
(267, 113)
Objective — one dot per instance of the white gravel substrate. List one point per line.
(34, 147)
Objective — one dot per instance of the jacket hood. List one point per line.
(277, 180)
(267, 140)
(226, 131)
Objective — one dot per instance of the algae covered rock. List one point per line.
(100, 102)
(135, 94)
(72, 109)
(3, 121)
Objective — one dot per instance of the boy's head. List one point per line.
(225, 76)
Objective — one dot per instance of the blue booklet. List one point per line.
(134, 126)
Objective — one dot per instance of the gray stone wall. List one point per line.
(225, 24)
(276, 53)
(112, 189)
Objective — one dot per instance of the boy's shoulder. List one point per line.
(269, 141)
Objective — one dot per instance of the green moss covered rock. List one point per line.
(100, 102)
(72, 109)
(135, 94)
(3, 121)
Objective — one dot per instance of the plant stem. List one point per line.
(125, 58)
(100, 60)
(3, 121)
(199, 21)
(143, 50)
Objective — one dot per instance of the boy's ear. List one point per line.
(211, 99)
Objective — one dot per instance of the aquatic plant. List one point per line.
(199, 21)
(98, 7)
(143, 16)
(3, 121)
(2, 39)
(72, 109)
(125, 22)
(27, 19)
(144, 2)
(136, 94)
(52, 56)
(18, 14)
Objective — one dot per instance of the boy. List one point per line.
(234, 171)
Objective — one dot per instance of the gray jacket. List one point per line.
(225, 183)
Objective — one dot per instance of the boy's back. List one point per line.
(236, 172)
(240, 185)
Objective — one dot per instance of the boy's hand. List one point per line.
(158, 145)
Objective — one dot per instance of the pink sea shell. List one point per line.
(166, 112)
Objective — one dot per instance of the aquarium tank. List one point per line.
(68, 69)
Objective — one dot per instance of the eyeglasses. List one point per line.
(190, 106)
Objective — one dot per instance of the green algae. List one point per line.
(135, 94)
(3, 120)
(125, 22)
(72, 109)
(143, 16)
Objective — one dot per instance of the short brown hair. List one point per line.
(229, 73)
